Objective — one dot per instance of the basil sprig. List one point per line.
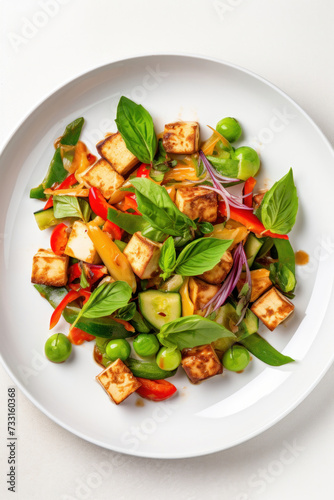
(134, 223)
(282, 273)
(72, 132)
(279, 206)
(159, 210)
(70, 206)
(196, 258)
(136, 127)
(105, 300)
(191, 331)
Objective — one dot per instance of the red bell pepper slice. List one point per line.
(115, 231)
(128, 327)
(95, 273)
(91, 158)
(144, 170)
(72, 295)
(248, 190)
(155, 390)
(129, 202)
(68, 182)
(78, 337)
(59, 239)
(249, 220)
(49, 203)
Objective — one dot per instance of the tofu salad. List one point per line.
(164, 253)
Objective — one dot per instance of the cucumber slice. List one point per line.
(159, 307)
(46, 218)
(252, 247)
(173, 284)
(251, 322)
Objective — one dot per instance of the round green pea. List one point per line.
(229, 128)
(58, 348)
(249, 162)
(146, 344)
(118, 349)
(168, 359)
(236, 358)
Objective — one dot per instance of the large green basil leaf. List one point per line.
(105, 300)
(167, 259)
(134, 223)
(70, 206)
(279, 206)
(191, 331)
(136, 127)
(159, 210)
(200, 256)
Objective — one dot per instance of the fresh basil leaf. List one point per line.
(158, 209)
(70, 206)
(72, 132)
(105, 300)
(201, 255)
(136, 127)
(191, 331)
(225, 166)
(260, 348)
(134, 223)
(83, 279)
(186, 237)
(167, 258)
(127, 312)
(153, 234)
(56, 173)
(282, 276)
(279, 206)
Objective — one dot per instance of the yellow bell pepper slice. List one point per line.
(187, 305)
(114, 260)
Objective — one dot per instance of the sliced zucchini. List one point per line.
(173, 284)
(46, 218)
(159, 307)
(252, 247)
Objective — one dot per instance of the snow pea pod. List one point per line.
(100, 327)
(149, 370)
(260, 348)
(55, 173)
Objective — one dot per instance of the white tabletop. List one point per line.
(45, 44)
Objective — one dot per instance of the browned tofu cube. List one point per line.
(201, 363)
(201, 292)
(181, 137)
(114, 150)
(257, 198)
(197, 203)
(143, 255)
(118, 381)
(49, 269)
(272, 308)
(260, 282)
(220, 271)
(80, 246)
(102, 176)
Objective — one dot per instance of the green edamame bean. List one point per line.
(229, 128)
(236, 358)
(146, 344)
(118, 349)
(58, 348)
(168, 359)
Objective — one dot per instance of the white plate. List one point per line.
(223, 411)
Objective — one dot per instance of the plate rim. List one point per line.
(7, 144)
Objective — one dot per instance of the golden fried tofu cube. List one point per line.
(201, 292)
(143, 255)
(118, 381)
(80, 246)
(260, 282)
(197, 203)
(201, 363)
(272, 308)
(114, 150)
(102, 176)
(181, 137)
(219, 272)
(49, 269)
